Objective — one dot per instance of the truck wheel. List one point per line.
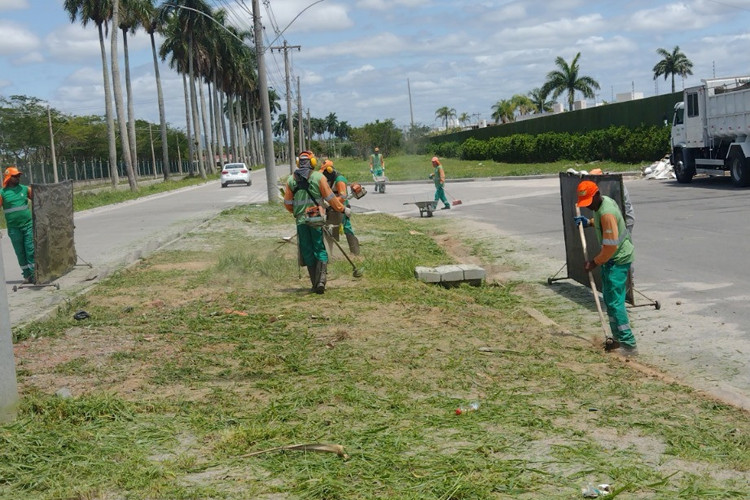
(738, 168)
(684, 174)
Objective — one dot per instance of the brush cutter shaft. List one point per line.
(591, 276)
(328, 232)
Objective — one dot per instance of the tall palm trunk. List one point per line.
(162, 114)
(219, 123)
(194, 110)
(129, 92)
(232, 126)
(117, 87)
(113, 173)
(212, 123)
(224, 125)
(188, 126)
(210, 161)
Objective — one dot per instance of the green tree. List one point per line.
(566, 79)
(503, 111)
(445, 114)
(672, 63)
(522, 104)
(464, 118)
(331, 123)
(539, 100)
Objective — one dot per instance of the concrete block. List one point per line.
(451, 274)
(473, 272)
(427, 274)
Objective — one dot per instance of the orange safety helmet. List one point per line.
(327, 166)
(10, 172)
(309, 155)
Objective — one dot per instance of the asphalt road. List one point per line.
(690, 242)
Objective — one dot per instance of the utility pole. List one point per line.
(299, 119)
(411, 111)
(52, 145)
(265, 106)
(309, 127)
(289, 119)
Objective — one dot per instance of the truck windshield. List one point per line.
(679, 116)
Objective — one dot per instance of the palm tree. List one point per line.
(331, 123)
(503, 111)
(99, 12)
(674, 63)
(464, 118)
(566, 79)
(445, 113)
(147, 16)
(522, 104)
(539, 100)
(117, 88)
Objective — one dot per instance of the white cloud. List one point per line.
(72, 42)
(378, 45)
(390, 4)
(13, 5)
(33, 57)
(294, 16)
(16, 40)
(685, 15)
(365, 71)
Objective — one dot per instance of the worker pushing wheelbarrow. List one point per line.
(377, 169)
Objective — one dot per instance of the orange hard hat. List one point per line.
(8, 173)
(596, 171)
(435, 159)
(586, 191)
(327, 166)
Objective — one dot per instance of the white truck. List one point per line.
(711, 131)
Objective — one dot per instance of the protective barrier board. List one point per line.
(609, 185)
(54, 248)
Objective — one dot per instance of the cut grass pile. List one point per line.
(215, 349)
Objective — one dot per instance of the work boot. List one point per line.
(446, 207)
(353, 243)
(321, 271)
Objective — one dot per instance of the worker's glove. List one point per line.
(582, 221)
(371, 171)
(347, 211)
(432, 176)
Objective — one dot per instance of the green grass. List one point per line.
(418, 167)
(215, 349)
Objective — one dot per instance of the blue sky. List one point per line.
(356, 55)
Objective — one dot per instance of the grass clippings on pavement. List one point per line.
(214, 349)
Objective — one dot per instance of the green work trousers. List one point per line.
(614, 288)
(347, 225)
(22, 239)
(440, 195)
(311, 244)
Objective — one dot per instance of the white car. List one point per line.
(235, 173)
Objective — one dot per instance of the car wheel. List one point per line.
(249, 183)
(683, 173)
(739, 168)
(223, 185)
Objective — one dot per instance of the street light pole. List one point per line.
(265, 106)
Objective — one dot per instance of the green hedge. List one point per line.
(620, 144)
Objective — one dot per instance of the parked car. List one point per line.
(235, 173)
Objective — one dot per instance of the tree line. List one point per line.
(566, 79)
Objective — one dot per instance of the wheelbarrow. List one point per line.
(425, 207)
(380, 181)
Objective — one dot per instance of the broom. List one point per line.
(454, 201)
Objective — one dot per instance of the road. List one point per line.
(689, 245)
